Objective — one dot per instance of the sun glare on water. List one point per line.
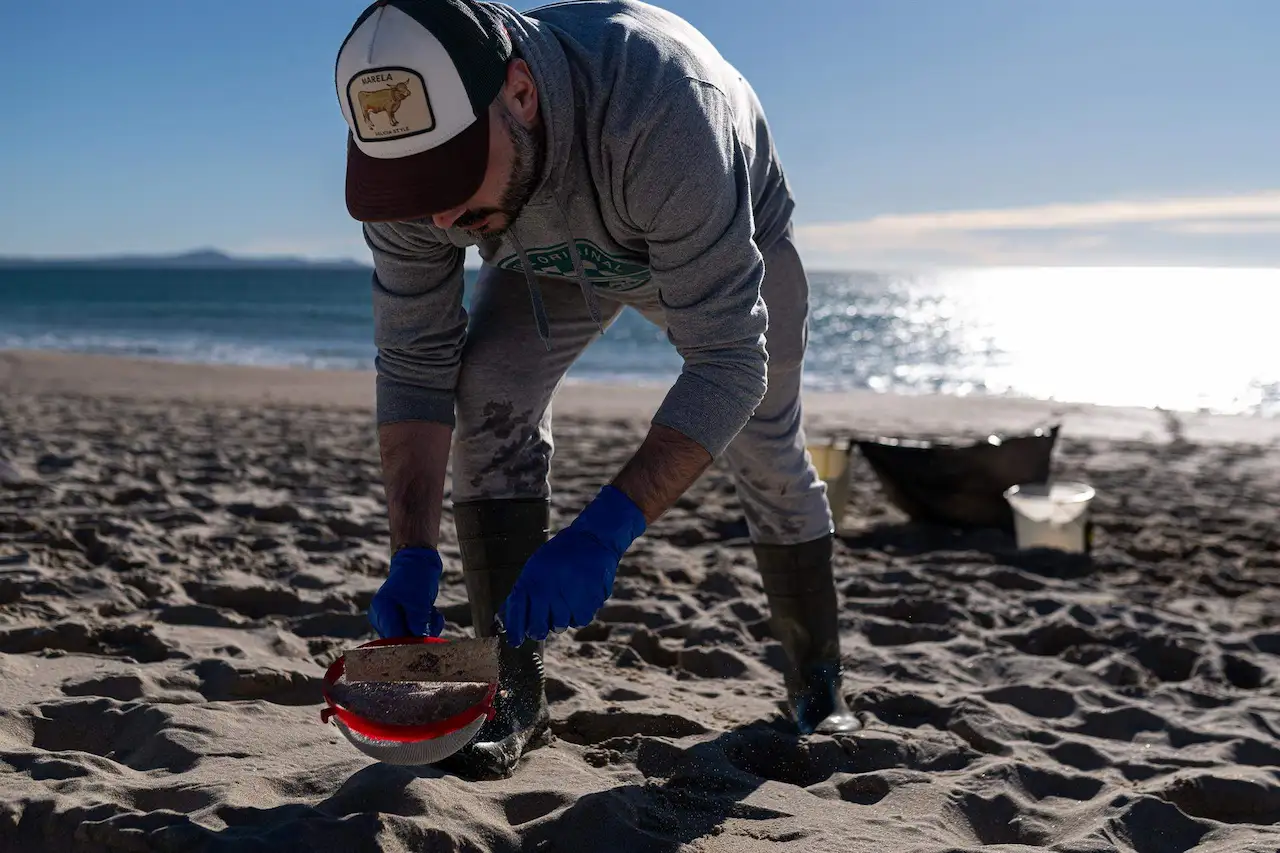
(1180, 338)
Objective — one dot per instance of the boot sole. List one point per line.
(475, 764)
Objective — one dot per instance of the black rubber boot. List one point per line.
(803, 617)
(496, 539)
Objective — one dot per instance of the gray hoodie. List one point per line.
(661, 187)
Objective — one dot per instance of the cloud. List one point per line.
(1229, 226)
(342, 248)
(1058, 216)
(346, 247)
(1147, 231)
(1220, 230)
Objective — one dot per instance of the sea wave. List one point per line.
(1176, 339)
(189, 350)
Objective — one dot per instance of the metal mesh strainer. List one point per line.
(406, 722)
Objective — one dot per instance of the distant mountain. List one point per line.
(198, 259)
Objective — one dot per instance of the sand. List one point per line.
(183, 550)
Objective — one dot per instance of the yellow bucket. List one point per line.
(832, 463)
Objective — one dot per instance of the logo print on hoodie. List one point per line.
(602, 269)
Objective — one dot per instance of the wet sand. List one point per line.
(184, 549)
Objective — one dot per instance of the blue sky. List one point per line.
(914, 131)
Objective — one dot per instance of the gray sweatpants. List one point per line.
(503, 444)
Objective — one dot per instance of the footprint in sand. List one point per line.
(591, 727)
(137, 642)
(143, 737)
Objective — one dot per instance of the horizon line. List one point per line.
(231, 260)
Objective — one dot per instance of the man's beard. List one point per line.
(526, 168)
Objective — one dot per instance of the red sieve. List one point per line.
(406, 743)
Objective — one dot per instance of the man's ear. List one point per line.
(520, 93)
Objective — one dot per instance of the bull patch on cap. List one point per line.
(389, 103)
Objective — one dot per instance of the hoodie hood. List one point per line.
(539, 47)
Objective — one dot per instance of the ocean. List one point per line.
(1184, 339)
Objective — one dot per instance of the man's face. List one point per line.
(516, 155)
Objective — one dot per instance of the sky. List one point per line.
(914, 132)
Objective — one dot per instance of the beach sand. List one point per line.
(184, 549)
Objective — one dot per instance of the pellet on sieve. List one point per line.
(407, 703)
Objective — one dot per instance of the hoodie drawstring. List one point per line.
(588, 292)
(535, 293)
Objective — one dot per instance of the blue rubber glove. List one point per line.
(405, 604)
(566, 581)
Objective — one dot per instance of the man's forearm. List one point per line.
(666, 465)
(415, 455)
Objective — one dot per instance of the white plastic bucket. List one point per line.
(832, 464)
(1051, 515)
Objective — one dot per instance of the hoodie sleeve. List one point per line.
(419, 322)
(686, 187)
